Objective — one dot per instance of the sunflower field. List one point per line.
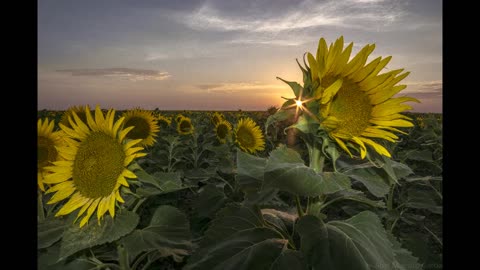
(340, 176)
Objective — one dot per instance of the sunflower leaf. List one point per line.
(209, 201)
(168, 233)
(76, 238)
(250, 170)
(356, 243)
(50, 231)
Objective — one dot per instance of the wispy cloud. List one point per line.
(132, 74)
(229, 88)
(345, 13)
(424, 90)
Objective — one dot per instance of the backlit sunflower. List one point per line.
(217, 117)
(79, 110)
(145, 126)
(223, 130)
(184, 126)
(95, 166)
(47, 141)
(356, 102)
(248, 136)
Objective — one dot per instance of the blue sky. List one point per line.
(221, 55)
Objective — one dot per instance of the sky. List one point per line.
(221, 54)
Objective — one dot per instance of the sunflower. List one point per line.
(164, 121)
(184, 126)
(356, 102)
(145, 126)
(223, 130)
(95, 165)
(217, 117)
(248, 136)
(79, 110)
(179, 117)
(47, 142)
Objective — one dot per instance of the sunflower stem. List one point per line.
(142, 200)
(317, 159)
(299, 207)
(41, 212)
(123, 258)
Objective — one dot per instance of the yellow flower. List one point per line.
(145, 126)
(164, 121)
(184, 126)
(179, 117)
(223, 130)
(356, 102)
(47, 141)
(79, 110)
(217, 117)
(248, 136)
(95, 166)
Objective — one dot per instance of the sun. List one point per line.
(47, 143)
(96, 155)
(223, 130)
(357, 103)
(249, 136)
(145, 126)
(298, 103)
(184, 126)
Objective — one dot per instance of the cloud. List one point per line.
(358, 14)
(230, 88)
(424, 90)
(132, 74)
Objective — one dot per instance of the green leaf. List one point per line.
(250, 170)
(210, 200)
(420, 155)
(47, 259)
(305, 124)
(374, 179)
(357, 243)
(333, 182)
(76, 238)
(159, 183)
(286, 171)
(260, 197)
(395, 170)
(423, 199)
(405, 259)
(357, 196)
(297, 88)
(239, 239)
(168, 233)
(50, 231)
(280, 115)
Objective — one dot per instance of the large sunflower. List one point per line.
(145, 126)
(356, 102)
(79, 110)
(223, 130)
(47, 143)
(184, 126)
(248, 136)
(95, 166)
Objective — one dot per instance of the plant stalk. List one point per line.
(41, 212)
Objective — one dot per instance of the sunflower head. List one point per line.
(184, 126)
(47, 143)
(355, 101)
(145, 126)
(79, 110)
(217, 117)
(96, 156)
(179, 117)
(164, 121)
(223, 130)
(249, 136)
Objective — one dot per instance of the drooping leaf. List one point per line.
(76, 238)
(168, 233)
(250, 170)
(50, 231)
(209, 201)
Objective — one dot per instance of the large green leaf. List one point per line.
(280, 115)
(423, 199)
(239, 238)
(50, 231)
(357, 243)
(158, 183)
(333, 182)
(76, 238)
(47, 259)
(250, 170)
(168, 233)
(374, 179)
(209, 201)
(405, 259)
(286, 171)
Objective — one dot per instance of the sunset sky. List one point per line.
(218, 54)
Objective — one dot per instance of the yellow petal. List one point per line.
(55, 178)
(63, 193)
(90, 120)
(384, 110)
(322, 52)
(365, 71)
(117, 126)
(379, 67)
(343, 146)
(129, 174)
(122, 181)
(363, 149)
(83, 209)
(131, 143)
(382, 96)
(359, 60)
(342, 61)
(124, 132)
(90, 211)
(103, 206)
(111, 205)
(133, 150)
(393, 123)
(380, 149)
(76, 201)
(118, 197)
(313, 66)
(331, 91)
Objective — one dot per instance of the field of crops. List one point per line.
(199, 202)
